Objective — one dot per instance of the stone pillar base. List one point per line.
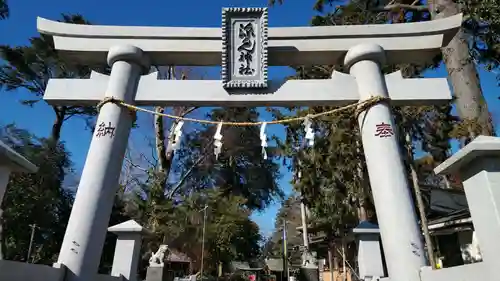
(310, 273)
(156, 273)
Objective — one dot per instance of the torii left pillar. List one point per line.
(84, 238)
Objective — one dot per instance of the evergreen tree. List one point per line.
(4, 9)
(30, 68)
(476, 42)
(38, 198)
(240, 169)
(230, 234)
(289, 215)
(333, 174)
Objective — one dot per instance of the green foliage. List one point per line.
(43, 199)
(289, 213)
(30, 68)
(232, 186)
(328, 180)
(319, 5)
(333, 177)
(482, 23)
(230, 234)
(240, 169)
(481, 20)
(4, 9)
(38, 198)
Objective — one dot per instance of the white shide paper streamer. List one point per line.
(263, 140)
(218, 141)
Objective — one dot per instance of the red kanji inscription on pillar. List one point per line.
(383, 130)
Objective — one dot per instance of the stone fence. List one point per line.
(124, 263)
(20, 271)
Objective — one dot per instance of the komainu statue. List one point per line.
(156, 259)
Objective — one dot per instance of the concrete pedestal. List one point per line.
(310, 273)
(156, 273)
(401, 237)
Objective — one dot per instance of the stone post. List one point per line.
(399, 230)
(84, 238)
(127, 249)
(369, 254)
(478, 165)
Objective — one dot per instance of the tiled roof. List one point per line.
(176, 256)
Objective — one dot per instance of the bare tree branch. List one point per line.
(185, 176)
(396, 7)
(165, 151)
(189, 171)
(135, 165)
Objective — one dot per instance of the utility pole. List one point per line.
(306, 254)
(285, 253)
(303, 215)
(303, 210)
(203, 238)
(33, 228)
(420, 203)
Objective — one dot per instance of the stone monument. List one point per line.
(246, 49)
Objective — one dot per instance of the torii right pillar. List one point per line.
(400, 233)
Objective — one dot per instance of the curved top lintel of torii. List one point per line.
(404, 43)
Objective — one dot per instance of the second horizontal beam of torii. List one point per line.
(340, 90)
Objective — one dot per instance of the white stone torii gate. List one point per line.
(131, 50)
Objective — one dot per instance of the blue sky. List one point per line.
(22, 25)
